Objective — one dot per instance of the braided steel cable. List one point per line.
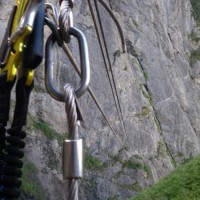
(107, 63)
(76, 67)
(73, 189)
(109, 68)
(65, 19)
(70, 107)
(71, 110)
(124, 48)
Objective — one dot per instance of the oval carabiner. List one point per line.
(84, 62)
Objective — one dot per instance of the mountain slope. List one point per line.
(158, 86)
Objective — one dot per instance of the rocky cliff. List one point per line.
(158, 85)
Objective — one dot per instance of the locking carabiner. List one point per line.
(84, 62)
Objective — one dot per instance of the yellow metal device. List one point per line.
(14, 59)
(21, 6)
(17, 43)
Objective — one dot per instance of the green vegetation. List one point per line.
(92, 162)
(116, 54)
(28, 185)
(46, 129)
(138, 157)
(180, 154)
(146, 77)
(157, 124)
(161, 149)
(145, 112)
(194, 37)
(195, 56)
(181, 184)
(134, 187)
(113, 198)
(116, 158)
(196, 10)
(146, 94)
(130, 164)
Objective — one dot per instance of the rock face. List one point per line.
(158, 92)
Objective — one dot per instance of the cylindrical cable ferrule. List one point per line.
(73, 159)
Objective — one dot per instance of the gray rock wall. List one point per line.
(158, 92)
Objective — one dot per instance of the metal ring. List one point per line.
(84, 62)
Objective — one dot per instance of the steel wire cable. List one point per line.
(76, 67)
(103, 49)
(124, 49)
(73, 189)
(71, 110)
(110, 69)
(65, 19)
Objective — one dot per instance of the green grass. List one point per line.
(194, 37)
(113, 198)
(146, 94)
(130, 164)
(181, 184)
(133, 187)
(28, 185)
(92, 162)
(157, 124)
(195, 56)
(116, 158)
(196, 10)
(46, 129)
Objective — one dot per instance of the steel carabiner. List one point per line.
(84, 62)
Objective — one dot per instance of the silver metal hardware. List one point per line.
(85, 66)
(73, 159)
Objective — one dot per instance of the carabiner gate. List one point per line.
(84, 62)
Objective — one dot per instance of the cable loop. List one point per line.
(71, 111)
(65, 19)
(71, 3)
